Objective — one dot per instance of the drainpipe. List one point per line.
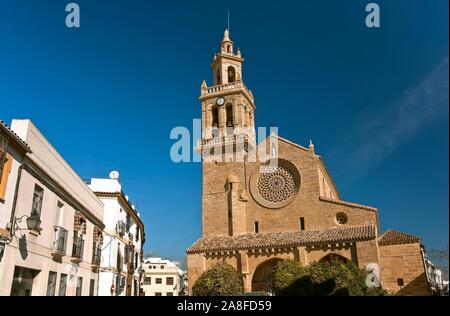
(16, 192)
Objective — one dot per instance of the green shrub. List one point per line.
(334, 278)
(220, 280)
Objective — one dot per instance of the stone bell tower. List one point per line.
(228, 134)
(227, 106)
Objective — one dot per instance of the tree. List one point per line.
(220, 280)
(334, 278)
(291, 279)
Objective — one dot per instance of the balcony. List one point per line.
(77, 250)
(246, 139)
(220, 89)
(96, 257)
(59, 243)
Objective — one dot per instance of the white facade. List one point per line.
(123, 240)
(58, 259)
(163, 278)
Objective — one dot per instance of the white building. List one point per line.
(50, 222)
(123, 240)
(163, 278)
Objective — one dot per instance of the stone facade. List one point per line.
(403, 265)
(251, 191)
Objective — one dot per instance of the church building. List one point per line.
(258, 209)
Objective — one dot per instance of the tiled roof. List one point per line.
(12, 134)
(283, 239)
(392, 237)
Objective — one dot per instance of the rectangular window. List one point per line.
(62, 285)
(256, 227)
(158, 294)
(51, 284)
(302, 223)
(37, 199)
(158, 281)
(136, 260)
(169, 281)
(91, 287)
(169, 294)
(79, 286)
(128, 222)
(147, 281)
(137, 233)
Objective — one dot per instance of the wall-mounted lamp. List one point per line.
(33, 222)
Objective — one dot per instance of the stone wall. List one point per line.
(403, 261)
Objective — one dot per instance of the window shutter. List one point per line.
(3, 151)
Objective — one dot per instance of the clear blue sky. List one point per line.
(106, 95)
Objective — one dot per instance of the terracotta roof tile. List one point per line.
(283, 239)
(392, 237)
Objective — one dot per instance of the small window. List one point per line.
(341, 218)
(400, 282)
(256, 227)
(37, 199)
(158, 294)
(302, 223)
(161, 267)
(169, 281)
(169, 294)
(158, 281)
(51, 284)
(147, 281)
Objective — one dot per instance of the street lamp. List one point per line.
(33, 222)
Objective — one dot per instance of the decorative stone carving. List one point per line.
(275, 185)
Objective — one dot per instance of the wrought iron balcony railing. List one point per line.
(96, 255)
(60, 240)
(78, 247)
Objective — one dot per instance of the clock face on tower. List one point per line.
(220, 101)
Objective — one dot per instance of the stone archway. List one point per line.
(262, 280)
(334, 257)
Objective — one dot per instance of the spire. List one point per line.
(311, 147)
(226, 36)
(226, 46)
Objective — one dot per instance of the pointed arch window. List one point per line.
(218, 79)
(215, 117)
(231, 74)
(229, 110)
